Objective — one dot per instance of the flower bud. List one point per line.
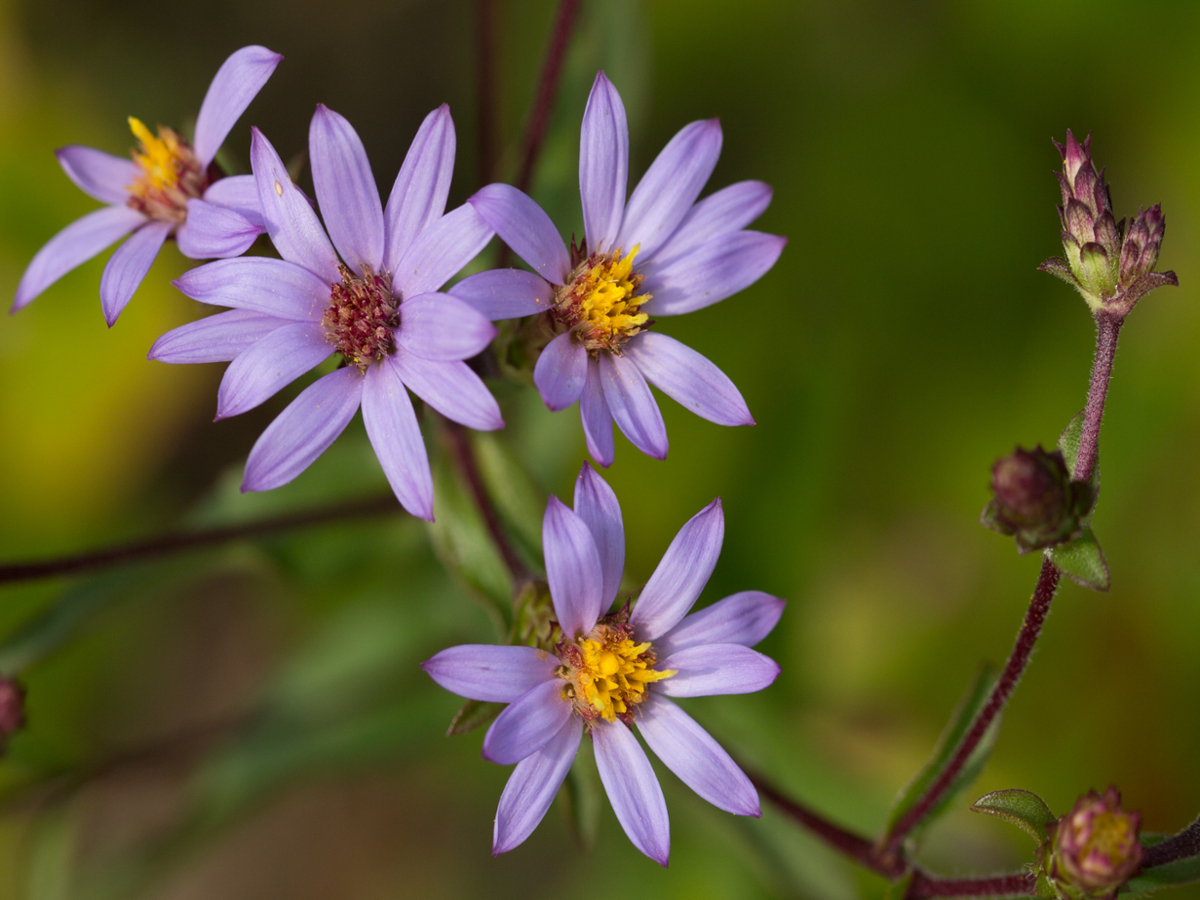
(1095, 847)
(1035, 499)
(1139, 254)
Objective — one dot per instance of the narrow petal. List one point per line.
(98, 174)
(128, 266)
(700, 762)
(744, 618)
(572, 569)
(236, 83)
(505, 293)
(532, 787)
(526, 228)
(346, 190)
(688, 378)
(681, 574)
(560, 372)
(274, 362)
(632, 405)
(633, 790)
(489, 672)
(301, 432)
(441, 251)
(440, 326)
(239, 193)
(670, 186)
(73, 246)
(396, 436)
(597, 420)
(528, 724)
(217, 338)
(451, 388)
(597, 505)
(712, 272)
(728, 210)
(257, 283)
(710, 669)
(418, 197)
(215, 232)
(603, 164)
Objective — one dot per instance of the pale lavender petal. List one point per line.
(688, 378)
(256, 283)
(440, 326)
(710, 669)
(215, 232)
(346, 190)
(528, 724)
(700, 762)
(670, 187)
(505, 293)
(572, 569)
(489, 672)
(217, 338)
(274, 362)
(73, 246)
(450, 387)
(396, 436)
(532, 787)
(633, 790)
(632, 405)
(712, 272)
(560, 372)
(98, 174)
(526, 228)
(597, 505)
(236, 83)
(728, 210)
(603, 164)
(441, 251)
(128, 266)
(290, 220)
(681, 574)
(239, 193)
(745, 618)
(301, 432)
(597, 420)
(418, 197)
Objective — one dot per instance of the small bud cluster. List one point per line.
(1095, 848)
(1035, 499)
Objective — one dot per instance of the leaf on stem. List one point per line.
(1082, 561)
(473, 714)
(518, 501)
(1068, 443)
(1024, 809)
(580, 800)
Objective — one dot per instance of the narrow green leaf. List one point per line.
(1068, 443)
(519, 502)
(1082, 561)
(1024, 809)
(471, 715)
(580, 799)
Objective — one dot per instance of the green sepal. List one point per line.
(1043, 889)
(1024, 809)
(473, 714)
(1082, 561)
(1068, 443)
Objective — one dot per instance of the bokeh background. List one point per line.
(250, 723)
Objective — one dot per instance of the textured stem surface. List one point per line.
(539, 117)
(1182, 845)
(1021, 884)
(1107, 329)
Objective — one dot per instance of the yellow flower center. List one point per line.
(1112, 836)
(600, 303)
(607, 673)
(168, 174)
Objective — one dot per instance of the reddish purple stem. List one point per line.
(547, 88)
(923, 886)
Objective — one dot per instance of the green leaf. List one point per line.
(473, 714)
(1068, 443)
(518, 501)
(898, 889)
(580, 798)
(1082, 561)
(1024, 809)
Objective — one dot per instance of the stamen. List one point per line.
(168, 174)
(600, 303)
(606, 673)
(362, 317)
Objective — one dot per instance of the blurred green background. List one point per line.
(250, 722)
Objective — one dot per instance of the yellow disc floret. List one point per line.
(168, 174)
(600, 304)
(607, 673)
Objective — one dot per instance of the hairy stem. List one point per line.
(1184, 844)
(1020, 884)
(1107, 329)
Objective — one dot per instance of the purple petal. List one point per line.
(215, 232)
(681, 575)
(217, 338)
(603, 164)
(505, 293)
(490, 673)
(572, 569)
(396, 436)
(98, 174)
(269, 286)
(301, 432)
(73, 246)
(532, 787)
(439, 326)
(239, 193)
(526, 228)
(597, 505)
(688, 378)
(346, 190)
(744, 618)
(290, 220)
(700, 762)
(632, 405)
(711, 669)
(441, 251)
(597, 420)
(451, 388)
(418, 197)
(274, 362)
(632, 789)
(712, 272)
(236, 83)
(528, 724)
(728, 210)
(670, 187)
(560, 372)
(128, 266)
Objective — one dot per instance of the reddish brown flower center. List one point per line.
(362, 317)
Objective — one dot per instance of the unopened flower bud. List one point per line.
(1035, 499)
(1095, 848)
(12, 708)
(1139, 254)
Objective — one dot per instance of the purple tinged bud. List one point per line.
(1095, 847)
(1035, 500)
(1139, 254)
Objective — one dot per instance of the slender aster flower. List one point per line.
(661, 254)
(168, 188)
(377, 306)
(611, 672)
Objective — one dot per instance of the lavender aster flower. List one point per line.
(611, 672)
(169, 188)
(377, 306)
(661, 254)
